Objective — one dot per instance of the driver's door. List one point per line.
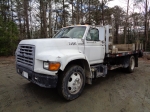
(94, 48)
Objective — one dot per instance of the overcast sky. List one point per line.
(123, 4)
(116, 2)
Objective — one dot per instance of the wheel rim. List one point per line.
(132, 63)
(75, 83)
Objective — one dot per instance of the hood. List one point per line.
(53, 42)
(53, 47)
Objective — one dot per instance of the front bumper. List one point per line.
(47, 81)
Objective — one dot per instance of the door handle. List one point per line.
(90, 42)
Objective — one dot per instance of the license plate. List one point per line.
(25, 74)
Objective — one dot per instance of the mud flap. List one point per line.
(136, 60)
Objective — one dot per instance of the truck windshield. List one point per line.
(71, 32)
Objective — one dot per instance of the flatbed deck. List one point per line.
(122, 53)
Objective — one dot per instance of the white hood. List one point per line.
(53, 47)
(50, 42)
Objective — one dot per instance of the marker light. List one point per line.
(54, 66)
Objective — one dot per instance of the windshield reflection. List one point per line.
(71, 32)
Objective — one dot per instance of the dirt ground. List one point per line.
(118, 92)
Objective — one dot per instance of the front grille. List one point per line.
(25, 56)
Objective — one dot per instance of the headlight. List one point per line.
(46, 65)
(52, 66)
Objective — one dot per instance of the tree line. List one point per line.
(27, 19)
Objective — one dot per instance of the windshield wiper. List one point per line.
(65, 37)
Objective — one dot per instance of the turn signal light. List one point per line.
(54, 66)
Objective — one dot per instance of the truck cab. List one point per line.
(88, 39)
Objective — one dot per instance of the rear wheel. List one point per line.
(131, 66)
(72, 82)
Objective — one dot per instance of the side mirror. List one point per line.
(101, 33)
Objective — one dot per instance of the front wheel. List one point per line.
(72, 82)
(131, 66)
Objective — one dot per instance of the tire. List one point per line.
(131, 66)
(71, 82)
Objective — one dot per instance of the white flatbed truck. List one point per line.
(74, 56)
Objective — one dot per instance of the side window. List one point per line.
(93, 35)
